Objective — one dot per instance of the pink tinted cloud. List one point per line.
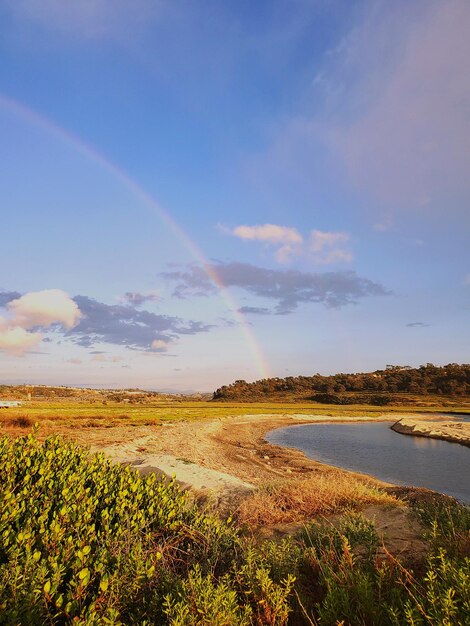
(43, 308)
(35, 309)
(411, 144)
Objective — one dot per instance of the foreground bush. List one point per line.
(362, 585)
(83, 541)
(83, 537)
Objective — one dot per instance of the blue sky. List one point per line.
(198, 192)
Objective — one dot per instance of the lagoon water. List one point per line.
(375, 449)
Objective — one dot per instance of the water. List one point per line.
(375, 449)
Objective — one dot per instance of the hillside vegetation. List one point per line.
(89, 395)
(86, 542)
(394, 385)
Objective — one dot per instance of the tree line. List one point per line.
(371, 387)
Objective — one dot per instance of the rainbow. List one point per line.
(35, 118)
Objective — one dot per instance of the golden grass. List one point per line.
(286, 501)
(70, 412)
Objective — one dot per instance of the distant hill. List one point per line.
(380, 387)
(86, 394)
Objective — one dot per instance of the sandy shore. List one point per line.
(457, 432)
(223, 455)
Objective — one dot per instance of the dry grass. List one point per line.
(297, 501)
(71, 412)
(21, 421)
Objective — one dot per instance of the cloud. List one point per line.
(33, 310)
(321, 247)
(407, 142)
(137, 299)
(127, 326)
(17, 341)
(285, 238)
(75, 361)
(268, 232)
(327, 247)
(8, 296)
(102, 358)
(288, 288)
(254, 310)
(86, 322)
(44, 308)
(387, 116)
(87, 19)
(158, 345)
(417, 325)
(467, 279)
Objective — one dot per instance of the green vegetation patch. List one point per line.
(84, 541)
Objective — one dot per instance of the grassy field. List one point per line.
(72, 411)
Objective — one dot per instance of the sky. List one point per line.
(193, 193)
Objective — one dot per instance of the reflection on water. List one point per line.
(373, 448)
(425, 442)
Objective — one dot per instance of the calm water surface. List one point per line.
(377, 450)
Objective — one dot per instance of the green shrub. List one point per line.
(87, 542)
(81, 536)
(203, 601)
(448, 526)
(357, 585)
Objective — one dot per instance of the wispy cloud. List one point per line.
(136, 298)
(328, 247)
(103, 358)
(321, 247)
(254, 310)
(285, 238)
(417, 325)
(87, 19)
(388, 115)
(288, 288)
(408, 142)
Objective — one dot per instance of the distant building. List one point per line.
(7, 404)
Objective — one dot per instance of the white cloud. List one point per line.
(17, 341)
(321, 247)
(288, 239)
(44, 308)
(158, 345)
(32, 310)
(272, 233)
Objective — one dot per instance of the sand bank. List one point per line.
(456, 432)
